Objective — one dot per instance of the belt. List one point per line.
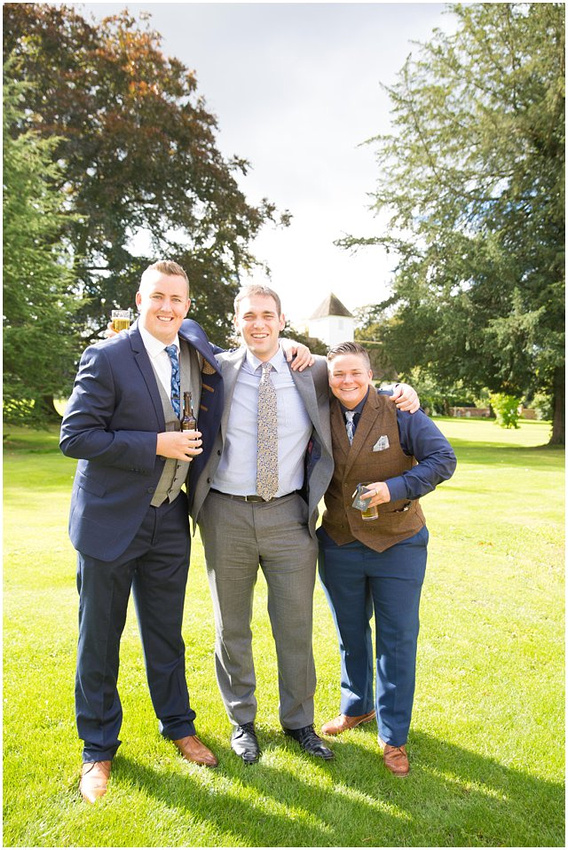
(252, 498)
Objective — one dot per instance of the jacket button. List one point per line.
(150, 489)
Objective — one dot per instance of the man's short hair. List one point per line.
(348, 348)
(167, 267)
(257, 289)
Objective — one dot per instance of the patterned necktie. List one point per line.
(175, 390)
(267, 449)
(349, 426)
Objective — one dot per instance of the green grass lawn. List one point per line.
(487, 740)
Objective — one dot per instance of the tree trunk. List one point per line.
(558, 433)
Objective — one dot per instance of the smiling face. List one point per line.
(349, 378)
(259, 325)
(163, 301)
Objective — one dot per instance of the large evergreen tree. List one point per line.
(39, 335)
(472, 181)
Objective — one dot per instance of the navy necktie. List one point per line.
(175, 388)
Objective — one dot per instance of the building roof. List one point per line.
(331, 306)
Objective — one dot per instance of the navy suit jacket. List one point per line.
(110, 425)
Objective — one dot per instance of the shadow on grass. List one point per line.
(453, 797)
(23, 438)
(497, 454)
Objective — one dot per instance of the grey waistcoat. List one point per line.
(175, 471)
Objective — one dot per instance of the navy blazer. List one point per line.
(110, 425)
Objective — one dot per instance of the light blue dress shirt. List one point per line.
(236, 473)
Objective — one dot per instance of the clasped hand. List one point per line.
(179, 445)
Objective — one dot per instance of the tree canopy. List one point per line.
(40, 336)
(139, 166)
(472, 185)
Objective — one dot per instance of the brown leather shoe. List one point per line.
(192, 749)
(344, 722)
(94, 780)
(396, 759)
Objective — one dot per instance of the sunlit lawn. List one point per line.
(487, 738)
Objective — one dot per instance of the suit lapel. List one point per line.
(194, 334)
(369, 415)
(230, 365)
(305, 385)
(143, 362)
(338, 431)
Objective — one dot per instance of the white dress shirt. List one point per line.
(236, 473)
(159, 357)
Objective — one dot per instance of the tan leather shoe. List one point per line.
(94, 780)
(396, 759)
(192, 749)
(344, 722)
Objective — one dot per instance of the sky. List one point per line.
(296, 89)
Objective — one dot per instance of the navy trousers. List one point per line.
(155, 567)
(357, 581)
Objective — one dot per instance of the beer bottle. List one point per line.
(188, 422)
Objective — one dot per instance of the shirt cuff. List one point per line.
(397, 488)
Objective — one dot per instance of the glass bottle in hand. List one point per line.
(188, 422)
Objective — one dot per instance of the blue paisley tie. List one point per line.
(349, 424)
(175, 388)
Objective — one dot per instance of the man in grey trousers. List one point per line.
(280, 448)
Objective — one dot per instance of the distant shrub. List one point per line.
(506, 409)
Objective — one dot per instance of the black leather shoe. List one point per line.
(245, 743)
(310, 742)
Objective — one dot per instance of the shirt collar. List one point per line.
(278, 361)
(358, 408)
(152, 345)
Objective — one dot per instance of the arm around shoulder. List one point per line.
(422, 439)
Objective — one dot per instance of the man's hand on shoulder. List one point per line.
(298, 355)
(405, 397)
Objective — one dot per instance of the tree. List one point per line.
(40, 337)
(472, 181)
(370, 322)
(138, 154)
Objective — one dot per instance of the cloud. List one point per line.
(296, 88)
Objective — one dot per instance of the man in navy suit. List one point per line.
(129, 515)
